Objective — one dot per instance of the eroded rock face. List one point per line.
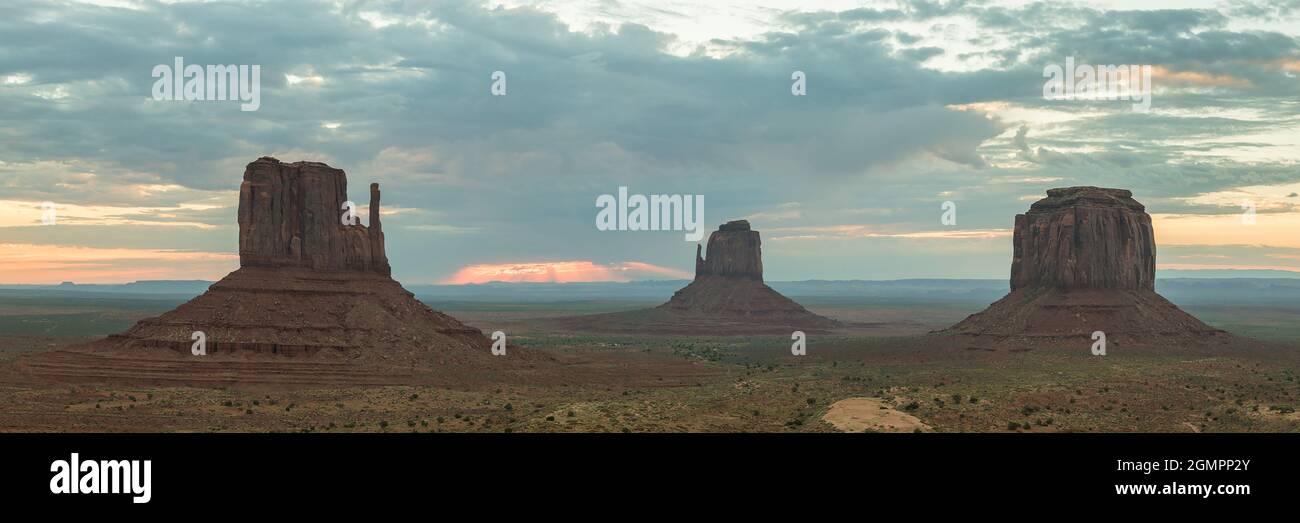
(290, 215)
(1084, 261)
(729, 290)
(313, 302)
(735, 251)
(728, 296)
(1084, 238)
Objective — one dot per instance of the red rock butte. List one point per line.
(312, 302)
(735, 251)
(1083, 261)
(727, 296)
(1084, 238)
(292, 215)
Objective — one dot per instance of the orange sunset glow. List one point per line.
(52, 264)
(561, 272)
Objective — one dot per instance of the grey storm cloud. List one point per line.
(587, 111)
(609, 103)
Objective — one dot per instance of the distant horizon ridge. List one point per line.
(1200, 274)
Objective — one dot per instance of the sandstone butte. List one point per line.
(1084, 260)
(727, 296)
(312, 301)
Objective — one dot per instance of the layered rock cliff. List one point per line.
(735, 251)
(1084, 238)
(312, 302)
(292, 215)
(1083, 260)
(727, 296)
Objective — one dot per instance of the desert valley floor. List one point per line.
(879, 373)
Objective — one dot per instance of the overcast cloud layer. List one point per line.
(908, 105)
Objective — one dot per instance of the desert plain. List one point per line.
(880, 372)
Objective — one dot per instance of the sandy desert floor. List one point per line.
(624, 383)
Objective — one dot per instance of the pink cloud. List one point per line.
(560, 272)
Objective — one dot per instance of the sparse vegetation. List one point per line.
(743, 383)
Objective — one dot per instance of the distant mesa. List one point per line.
(1083, 261)
(727, 296)
(313, 301)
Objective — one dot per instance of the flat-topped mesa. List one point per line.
(1084, 238)
(734, 251)
(291, 215)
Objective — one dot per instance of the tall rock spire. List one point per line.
(375, 232)
(700, 268)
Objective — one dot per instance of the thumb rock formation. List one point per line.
(734, 252)
(727, 296)
(312, 302)
(292, 215)
(1083, 261)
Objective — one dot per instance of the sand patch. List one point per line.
(859, 414)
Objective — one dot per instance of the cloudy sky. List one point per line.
(909, 104)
